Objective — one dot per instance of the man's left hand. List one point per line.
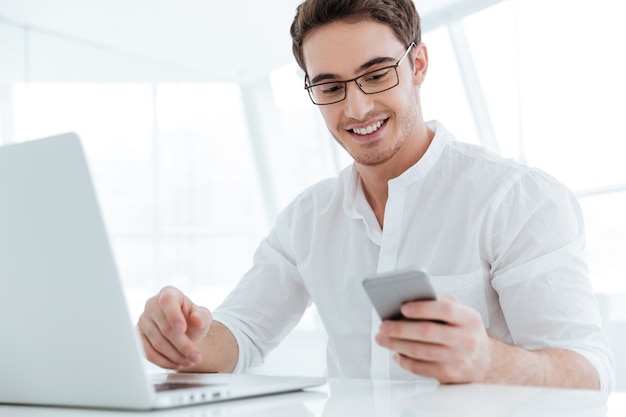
(441, 339)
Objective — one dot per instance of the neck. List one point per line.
(375, 179)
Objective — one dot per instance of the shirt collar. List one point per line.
(355, 198)
(422, 167)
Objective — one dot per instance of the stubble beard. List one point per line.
(377, 153)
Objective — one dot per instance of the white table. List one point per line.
(365, 398)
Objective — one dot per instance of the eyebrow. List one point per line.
(330, 77)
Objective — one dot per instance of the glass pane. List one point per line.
(174, 172)
(205, 261)
(562, 66)
(207, 173)
(304, 152)
(496, 59)
(574, 89)
(605, 217)
(115, 124)
(555, 90)
(443, 94)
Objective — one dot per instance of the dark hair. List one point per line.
(400, 15)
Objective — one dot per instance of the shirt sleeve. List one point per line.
(540, 275)
(265, 305)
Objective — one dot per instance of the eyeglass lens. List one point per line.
(371, 83)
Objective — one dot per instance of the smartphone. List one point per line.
(389, 291)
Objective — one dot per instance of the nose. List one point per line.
(357, 103)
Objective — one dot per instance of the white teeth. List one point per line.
(369, 129)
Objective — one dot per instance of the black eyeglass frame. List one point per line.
(345, 82)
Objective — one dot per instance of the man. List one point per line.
(501, 241)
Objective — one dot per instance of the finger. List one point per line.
(428, 352)
(171, 318)
(155, 341)
(443, 372)
(446, 309)
(156, 357)
(419, 331)
(199, 322)
(158, 323)
(430, 360)
(171, 304)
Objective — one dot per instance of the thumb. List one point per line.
(199, 321)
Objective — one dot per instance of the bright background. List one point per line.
(191, 173)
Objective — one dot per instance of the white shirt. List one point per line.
(504, 238)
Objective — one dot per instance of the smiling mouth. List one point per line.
(369, 129)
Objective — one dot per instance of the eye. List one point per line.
(377, 76)
(331, 89)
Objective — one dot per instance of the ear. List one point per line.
(420, 64)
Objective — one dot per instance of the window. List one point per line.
(191, 175)
(554, 95)
(174, 173)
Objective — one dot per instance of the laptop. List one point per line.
(67, 338)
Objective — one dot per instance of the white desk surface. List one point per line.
(365, 398)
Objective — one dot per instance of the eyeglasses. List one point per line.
(372, 82)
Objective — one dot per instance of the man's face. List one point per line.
(372, 127)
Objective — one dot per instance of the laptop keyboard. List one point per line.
(170, 386)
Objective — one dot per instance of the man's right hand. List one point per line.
(171, 328)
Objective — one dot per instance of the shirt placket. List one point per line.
(387, 261)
